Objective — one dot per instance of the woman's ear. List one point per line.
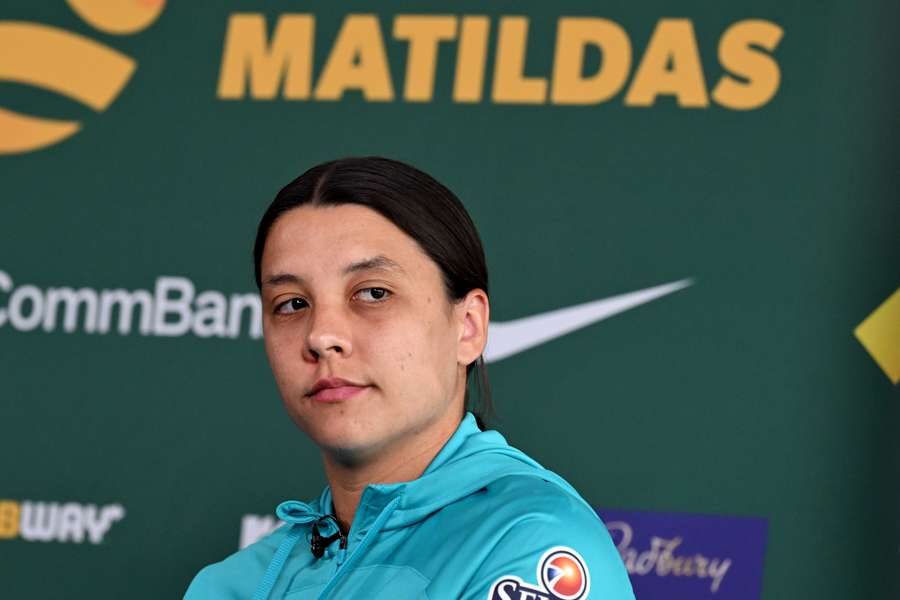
(473, 314)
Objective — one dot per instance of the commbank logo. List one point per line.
(68, 64)
(879, 333)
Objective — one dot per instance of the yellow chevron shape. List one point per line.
(118, 16)
(63, 62)
(880, 336)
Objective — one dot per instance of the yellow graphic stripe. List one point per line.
(21, 133)
(119, 16)
(880, 335)
(66, 63)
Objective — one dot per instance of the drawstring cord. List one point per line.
(298, 514)
(284, 550)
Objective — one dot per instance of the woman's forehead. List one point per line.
(340, 239)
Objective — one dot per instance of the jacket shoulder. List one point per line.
(534, 517)
(539, 497)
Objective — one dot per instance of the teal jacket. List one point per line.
(484, 521)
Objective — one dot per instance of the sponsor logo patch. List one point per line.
(562, 575)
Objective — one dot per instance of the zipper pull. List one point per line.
(342, 552)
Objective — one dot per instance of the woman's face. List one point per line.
(347, 294)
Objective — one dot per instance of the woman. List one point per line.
(375, 314)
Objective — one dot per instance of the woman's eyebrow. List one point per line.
(376, 262)
(379, 262)
(281, 278)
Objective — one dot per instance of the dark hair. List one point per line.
(416, 203)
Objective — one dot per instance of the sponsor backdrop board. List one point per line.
(714, 184)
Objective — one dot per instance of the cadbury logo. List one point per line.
(663, 560)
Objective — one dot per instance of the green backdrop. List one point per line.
(746, 393)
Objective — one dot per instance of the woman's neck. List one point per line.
(402, 462)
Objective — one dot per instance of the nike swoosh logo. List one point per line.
(511, 337)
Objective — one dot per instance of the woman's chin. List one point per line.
(347, 443)
(350, 452)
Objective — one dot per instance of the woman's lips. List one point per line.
(336, 394)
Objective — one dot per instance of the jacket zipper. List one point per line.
(342, 551)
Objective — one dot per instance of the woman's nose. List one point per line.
(328, 333)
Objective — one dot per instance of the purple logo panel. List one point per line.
(672, 556)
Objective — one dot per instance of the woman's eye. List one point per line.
(375, 294)
(290, 306)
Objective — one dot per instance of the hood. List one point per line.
(469, 461)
